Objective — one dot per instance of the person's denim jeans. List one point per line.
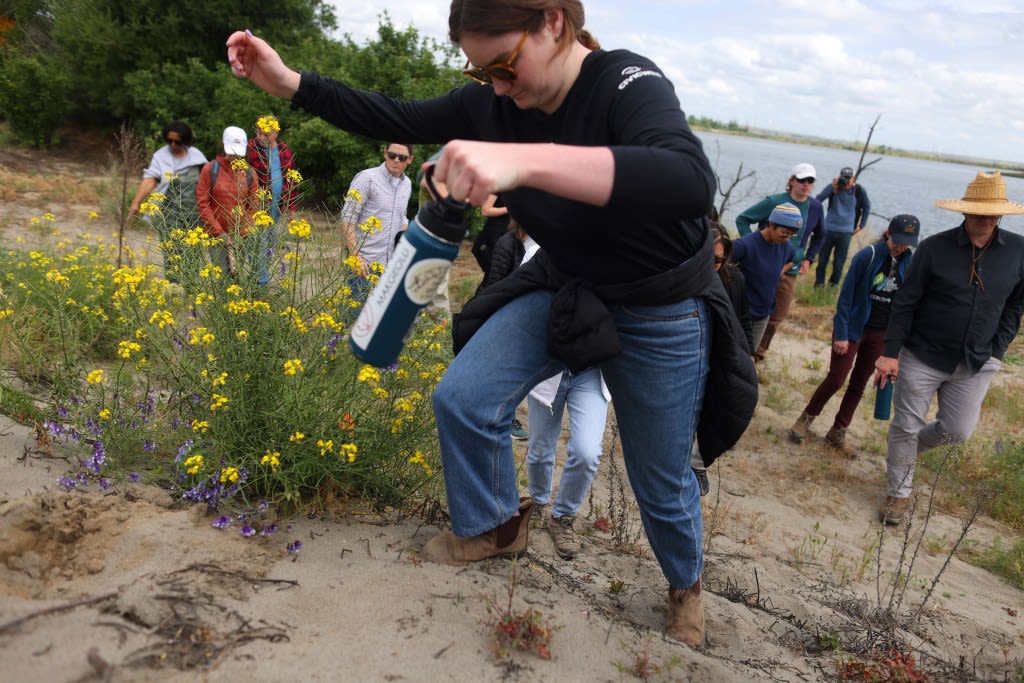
(839, 243)
(588, 411)
(657, 383)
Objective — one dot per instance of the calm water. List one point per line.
(894, 185)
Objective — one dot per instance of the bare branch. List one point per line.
(867, 144)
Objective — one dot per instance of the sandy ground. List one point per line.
(129, 586)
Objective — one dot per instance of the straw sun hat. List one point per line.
(985, 196)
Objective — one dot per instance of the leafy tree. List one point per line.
(32, 97)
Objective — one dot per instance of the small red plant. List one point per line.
(524, 631)
(894, 667)
(602, 524)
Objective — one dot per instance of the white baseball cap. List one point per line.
(804, 170)
(235, 141)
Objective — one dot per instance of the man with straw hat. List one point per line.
(951, 321)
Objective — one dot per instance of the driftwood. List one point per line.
(861, 166)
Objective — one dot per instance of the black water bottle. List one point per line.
(421, 260)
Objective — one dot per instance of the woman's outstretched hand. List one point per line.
(253, 58)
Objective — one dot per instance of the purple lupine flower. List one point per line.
(99, 457)
(148, 446)
(134, 476)
(105, 483)
(178, 343)
(67, 483)
(242, 516)
(62, 411)
(74, 435)
(262, 506)
(222, 522)
(55, 428)
(269, 530)
(247, 531)
(333, 341)
(94, 427)
(183, 450)
(294, 547)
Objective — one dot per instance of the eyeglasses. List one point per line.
(806, 181)
(400, 157)
(180, 143)
(505, 71)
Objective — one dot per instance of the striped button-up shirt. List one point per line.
(384, 196)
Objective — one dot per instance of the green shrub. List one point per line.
(32, 97)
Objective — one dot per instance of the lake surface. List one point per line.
(894, 185)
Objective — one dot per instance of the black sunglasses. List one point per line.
(400, 157)
(180, 143)
(505, 71)
(809, 181)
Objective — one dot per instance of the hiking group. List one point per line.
(615, 284)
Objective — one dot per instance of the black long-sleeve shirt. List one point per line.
(944, 316)
(663, 182)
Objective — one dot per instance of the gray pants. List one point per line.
(960, 395)
(757, 328)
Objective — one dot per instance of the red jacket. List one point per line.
(216, 204)
(256, 154)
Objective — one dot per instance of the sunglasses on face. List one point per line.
(806, 181)
(505, 71)
(395, 156)
(179, 143)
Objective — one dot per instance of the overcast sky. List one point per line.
(946, 76)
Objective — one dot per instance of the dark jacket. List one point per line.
(581, 332)
(506, 255)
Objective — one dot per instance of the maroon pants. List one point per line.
(860, 358)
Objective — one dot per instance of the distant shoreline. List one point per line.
(1007, 168)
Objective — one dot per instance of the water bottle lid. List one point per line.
(443, 216)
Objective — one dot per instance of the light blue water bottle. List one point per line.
(421, 260)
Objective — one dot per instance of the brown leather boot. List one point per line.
(798, 432)
(893, 510)
(507, 540)
(686, 615)
(836, 439)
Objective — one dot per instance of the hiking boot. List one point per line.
(540, 515)
(507, 540)
(893, 510)
(702, 480)
(564, 535)
(685, 621)
(519, 433)
(836, 439)
(798, 432)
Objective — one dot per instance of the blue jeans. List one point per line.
(587, 413)
(657, 382)
(840, 242)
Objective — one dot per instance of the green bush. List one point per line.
(32, 97)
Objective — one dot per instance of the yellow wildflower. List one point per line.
(268, 124)
(241, 334)
(94, 377)
(218, 401)
(419, 459)
(355, 264)
(272, 458)
(234, 290)
(293, 366)
(220, 380)
(325, 446)
(262, 219)
(299, 227)
(161, 318)
(200, 426)
(296, 437)
(193, 464)
(354, 195)
(239, 165)
(229, 474)
(368, 373)
(126, 348)
(105, 414)
(371, 225)
(348, 451)
(293, 175)
(380, 392)
(93, 215)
